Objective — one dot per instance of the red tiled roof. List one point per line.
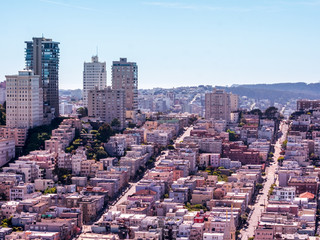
(145, 192)
(306, 195)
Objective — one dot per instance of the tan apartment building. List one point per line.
(219, 104)
(125, 76)
(19, 134)
(107, 104)
(24, 100)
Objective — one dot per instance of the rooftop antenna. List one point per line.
(97, 50)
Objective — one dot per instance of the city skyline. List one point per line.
(184, 42)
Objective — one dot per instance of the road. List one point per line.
(133, 185)
(185, 134)
(262, 200)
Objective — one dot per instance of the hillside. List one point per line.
(277, 92)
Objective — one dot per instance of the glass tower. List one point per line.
(42, 56)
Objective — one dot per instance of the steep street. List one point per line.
(133, 185)
(262, 199)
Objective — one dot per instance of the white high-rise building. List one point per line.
(24, 100)
(94, 75)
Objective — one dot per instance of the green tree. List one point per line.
(37, 135)
(280, 160)
(104, 132)
(270, 112)
(64, 175)
(101, 154)
(256, 111)
(3, 114)
(170, 147)
(131, 125)
(115, 123)
(7, 222)
(82, 111)
(50, 190)
(232, 135)
(284, 144)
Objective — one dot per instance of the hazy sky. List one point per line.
(175, 43)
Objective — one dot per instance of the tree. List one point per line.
(259, 186)
(192, 120)
(7, 222)
(63, 174)
(284, 144)
(3, 114)
(232, 135)
(115, 123)
(131, 125)
(50, 190)
(256, 111)
(280, 160)
(104, 132)
(101, 154)
(36, 136)
(270, 112)
(218, 194)
(82, 111)
(170, 147)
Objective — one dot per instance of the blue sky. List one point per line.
(175, 43)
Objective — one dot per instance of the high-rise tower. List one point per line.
(42, 56)
(94, 75)
(24, 100)
(219, 104)
(125, 76)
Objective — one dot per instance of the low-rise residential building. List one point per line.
(7, 150)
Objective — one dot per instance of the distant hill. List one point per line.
(74, 93)
(278, 91)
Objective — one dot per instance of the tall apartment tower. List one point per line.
(107, 104)
(218, 104)
(42, 56)
(94, 75)
(234, 102)
(125, 76)
(24, 100)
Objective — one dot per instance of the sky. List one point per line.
(175, 43)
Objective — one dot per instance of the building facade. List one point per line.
(94, 75)
(125, 76)
(7, 150)
(304, 104)
(219, 104)
(107, 104)
(234, 102)
(24, 100)
(19, 134)
(42, 56)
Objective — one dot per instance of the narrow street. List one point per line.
(132, 187)
(262, 198)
